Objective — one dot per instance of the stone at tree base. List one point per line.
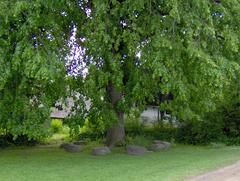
(160, 145)
(69, 147)
(100, 151)
(135, 150)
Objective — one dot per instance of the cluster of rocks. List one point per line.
(77, 146)
(157, 145)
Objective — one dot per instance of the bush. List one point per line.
(133, 126)
(200, 132)
(56, 126)
(232, 141)
(142, 141)
(221, 126)
(231, 124)
(139, 140)
(136, 129)
(10, 140)
(93, 130)
(165, 132)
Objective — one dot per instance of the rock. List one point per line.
(159, 145)
(69, 147)
(101, 151)
(159, 141)
(135, 150)
(63, 145)
(149, 151)
(80, 142)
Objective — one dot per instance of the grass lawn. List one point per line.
(53, 164)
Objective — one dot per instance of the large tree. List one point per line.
(136, 49)
(127, 52)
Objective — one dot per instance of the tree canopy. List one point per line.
(132, 50)
(32, 71)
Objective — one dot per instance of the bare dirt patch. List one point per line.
(228, 173)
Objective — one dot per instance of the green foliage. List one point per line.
(32, 68)
(133, 126)
(136, 48)
(22, 140)
(56, 126)
(190, 54)
(136, 129)
(230, 122)
(139, 140)
(57, 138)
(33, 49)
(211, 130)
(93, 130)
(165, 132)
(219, 127)
(203, 132)
(78, 112)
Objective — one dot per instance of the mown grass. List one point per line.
(53, 164)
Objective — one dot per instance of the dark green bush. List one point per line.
(142, 141)
(219, 126)
(222, 126)
(200, 132)
(133, 126)
(22, 140)
(139, 140)
(165, 132)
(232, 141)
(231, 126)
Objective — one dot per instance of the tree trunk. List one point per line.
(116, 133)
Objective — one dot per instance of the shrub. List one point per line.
(165, 132)
(21, 140)
(139, 140)
(142, 141)
(93, 130)
(56, 126)
(200, 132)
(133, 126)
(221, 126)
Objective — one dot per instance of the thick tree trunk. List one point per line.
(116, 133)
